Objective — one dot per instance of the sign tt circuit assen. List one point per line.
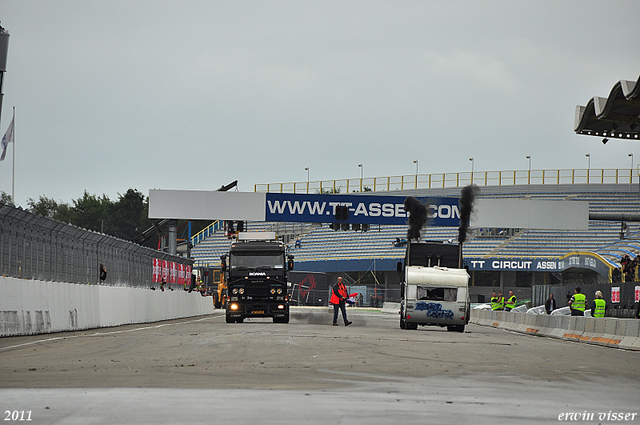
(369, 209)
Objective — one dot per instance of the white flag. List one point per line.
(8, 138)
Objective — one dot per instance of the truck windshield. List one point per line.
(256, 260)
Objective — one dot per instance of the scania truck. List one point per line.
(434, 290)
(256, 271)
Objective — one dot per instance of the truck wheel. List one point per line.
(403, 324)
(230, 319)
(412, 326)
(216, 302)
(240, 320)
(461, 328)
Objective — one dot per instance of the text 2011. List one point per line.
(17, 415)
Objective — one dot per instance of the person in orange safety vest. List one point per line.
(338, 297)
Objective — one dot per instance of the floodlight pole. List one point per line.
(13, 168)
(588, 166)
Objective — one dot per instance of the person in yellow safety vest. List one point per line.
(494, 302)
(578, 303)
(511, 302)
(500, 301)
(598, 306)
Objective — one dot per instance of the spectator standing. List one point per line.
(598, 306)
(500, 301)
(578, 303)
(103, 273)
(494, 302)
(511, 302)
(338, 297)
(550, 305)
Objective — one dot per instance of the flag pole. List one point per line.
(13, 169)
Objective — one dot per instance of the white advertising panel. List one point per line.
(531, 214)
(206, 205)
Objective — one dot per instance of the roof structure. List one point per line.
(616, 116)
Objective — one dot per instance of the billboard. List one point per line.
(363, 209)
(523, 264)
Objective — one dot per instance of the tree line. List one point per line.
(125, 218)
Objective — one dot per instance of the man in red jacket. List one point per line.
(338, 297)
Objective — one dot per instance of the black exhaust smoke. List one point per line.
(467, 198)
(417, 216)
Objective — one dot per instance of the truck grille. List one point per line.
(257, 290)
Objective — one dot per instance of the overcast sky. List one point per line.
(112, 95)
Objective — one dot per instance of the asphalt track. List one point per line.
(205, 371)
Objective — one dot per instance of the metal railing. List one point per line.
(445, 180)
(562, 293)
(206, 232)
(36, 247)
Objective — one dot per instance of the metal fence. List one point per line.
(36, 247)
(445, 180)
(562, 293)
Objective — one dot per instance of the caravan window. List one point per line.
(437, 294)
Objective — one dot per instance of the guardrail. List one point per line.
(608, 332)
(444, 180)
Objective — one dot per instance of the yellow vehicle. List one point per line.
(220, 292)
(215, 285)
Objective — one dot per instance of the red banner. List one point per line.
(157, 270)
(615, 294)
(165, 270)
(180, 274)
(173, 272)
(187, 275)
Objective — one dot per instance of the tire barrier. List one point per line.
(607, 331)
(34, 307)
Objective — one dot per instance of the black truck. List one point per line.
(256, 271)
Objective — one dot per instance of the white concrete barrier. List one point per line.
(33, 306)
(545, 325)
(609, 331)
(631, 336)
(392, 308)
(575, 328)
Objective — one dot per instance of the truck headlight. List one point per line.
(279, 290)
(235, 291)
(233, 307)
(273, 291)
(241, 291)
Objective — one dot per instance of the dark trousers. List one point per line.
(577, 313)
(335, 312)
